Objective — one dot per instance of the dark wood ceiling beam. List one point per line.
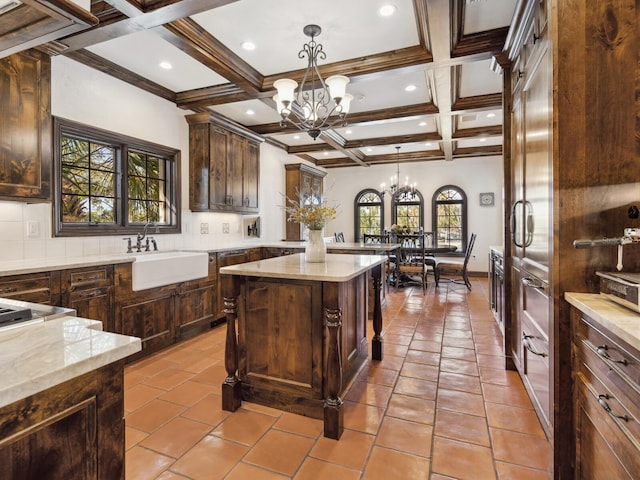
(105, 66)
(470, 44)
(369, 142)
(135, 20)
(491, 131)
(336, 141)
(362, 66)
(194, 40)
(478, 102)
(422, 23)
(408, 157)
(360, 117)
(209, 96)
(477, 151)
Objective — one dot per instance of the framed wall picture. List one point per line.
(487, 199)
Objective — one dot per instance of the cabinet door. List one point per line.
(30, 287)
(94, 303)
(219, 198)
(196, 303)
(235, 165)
(25, 129)
(251, 176)
(151, 320)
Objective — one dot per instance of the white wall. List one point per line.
(472, 175)
(85, 95)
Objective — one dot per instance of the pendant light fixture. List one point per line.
(395, 189)
(317, 104)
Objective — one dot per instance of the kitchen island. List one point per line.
(301, 332)
(62, 398)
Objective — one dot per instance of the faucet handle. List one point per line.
(128, 239)
(153, 242)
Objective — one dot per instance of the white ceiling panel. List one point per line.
(477, 78)
(483, 15)
(389, 128)
(350, 29)
(389, 91)
(479, 142)
(142, 53)
(240, 112)
(480, 119)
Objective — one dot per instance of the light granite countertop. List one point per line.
(35, 357)
(19, 267)
(337, 268)
(619, 320)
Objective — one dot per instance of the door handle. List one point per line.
(512, 223)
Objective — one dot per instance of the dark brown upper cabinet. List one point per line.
(224, 165)
(29, 23)
(25, 129)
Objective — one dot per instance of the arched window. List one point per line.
(407, 209)
(450, 217)
(369, 213)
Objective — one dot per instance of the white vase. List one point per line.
(316, 249)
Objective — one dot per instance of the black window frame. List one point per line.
(434, 216)
(396, 200)
(356, 210)
(123, 144)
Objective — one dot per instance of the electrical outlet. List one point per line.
(204, 228)
(33, 228)
(225, 228)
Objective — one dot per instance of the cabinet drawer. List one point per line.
(603, 450)
(617, 358)
(34, 288)
(535, 303)
(535, 365)
(615, 397)
(86, 278)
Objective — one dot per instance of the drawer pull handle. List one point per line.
(527, 345)
(602, 351)
(602, 400)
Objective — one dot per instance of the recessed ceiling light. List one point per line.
(491, 115)
(387, 10)
(483, 139)
(296, 137)
(422, 124)
(249, 46)
(250, 112)
(348, 132)
(166, 65)
(428, 144)
(410, 88)
(326, 154)
(369, 149)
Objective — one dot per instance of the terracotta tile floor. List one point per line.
(439, 406)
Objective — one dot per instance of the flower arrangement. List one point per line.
(400, 229)
(313, 216)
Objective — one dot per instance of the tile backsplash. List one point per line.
(25, 233)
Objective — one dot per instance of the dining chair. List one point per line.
(411, 259)
(376, 238)
(339, 236)
(456, 266)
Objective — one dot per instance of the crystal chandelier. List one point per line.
(318, 104)
(395, 189)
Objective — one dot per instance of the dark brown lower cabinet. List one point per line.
(89, 291)
(196, 303)
(606, 403)
(74, 430)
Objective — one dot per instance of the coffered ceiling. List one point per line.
(443, 48)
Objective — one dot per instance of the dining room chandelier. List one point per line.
(317, 104)
(395, 189)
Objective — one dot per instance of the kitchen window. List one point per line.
(111, 184)
(450, 218)
(369, 213)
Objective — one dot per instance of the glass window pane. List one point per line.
(137, 211)
(102, 210)
(153, 167)
(103, 184)
(74, 152)
(137, 188)
(103, 157)
(75, 208)
(137, 164)
(75, 180)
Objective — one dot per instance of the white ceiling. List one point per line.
(353, 31)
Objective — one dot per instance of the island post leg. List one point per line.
(333, 413)
(376, 341)
(232, 386)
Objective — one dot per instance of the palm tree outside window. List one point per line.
(369, 213)
(450, 217)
